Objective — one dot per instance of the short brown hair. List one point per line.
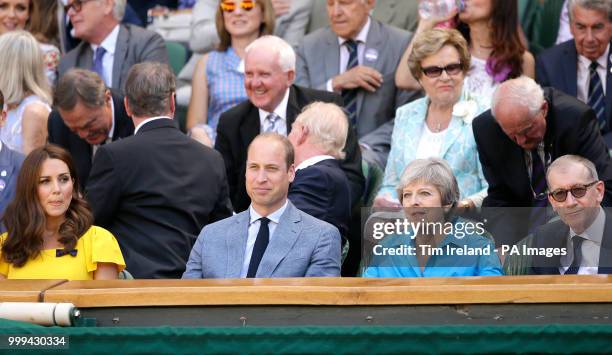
(430, 42)
(288, 147)
(25, 217)
(79, 85)
(266, 28)
(148, 89)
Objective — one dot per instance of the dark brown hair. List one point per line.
(79, 85)
(25, 218)
(266, 28)
(43, 21)
(508, 49)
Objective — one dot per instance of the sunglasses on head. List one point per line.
(577, 191)
(230, 6)
(435, 71)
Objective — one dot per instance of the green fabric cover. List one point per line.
(553, 339)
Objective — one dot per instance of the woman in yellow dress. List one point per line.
(49, 225)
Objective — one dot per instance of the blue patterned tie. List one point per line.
(577, 243)
(261, 243)
(597, 100)
(270, 123)
(349, 96)
(97, 64)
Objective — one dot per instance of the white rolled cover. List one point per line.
(38, 313)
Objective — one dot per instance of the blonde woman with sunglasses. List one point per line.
(440, 124)
(218, 79)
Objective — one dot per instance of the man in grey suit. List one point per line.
(357, 57)
(272, 238)
(108, 47)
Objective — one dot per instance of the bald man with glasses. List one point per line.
(583, 234)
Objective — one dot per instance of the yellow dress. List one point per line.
(97, 245)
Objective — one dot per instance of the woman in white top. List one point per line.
(26, 92)
(497, 48)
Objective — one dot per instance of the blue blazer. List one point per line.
(557, 67)
(322, 190)
(302, 246)
(10, 164)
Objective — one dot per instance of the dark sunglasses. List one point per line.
(76, 5)
(434, 72)
(230, 6)
(577, 191)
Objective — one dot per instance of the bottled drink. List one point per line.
(439, 9)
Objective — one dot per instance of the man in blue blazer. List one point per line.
(320, 187)
(272, 238)
(567, 66)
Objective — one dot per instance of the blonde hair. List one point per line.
(23, 70)
(327, 125)
(430, 42)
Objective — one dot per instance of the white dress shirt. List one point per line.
(254, 223)
(109, 43)
(312, 161)
(591, 247)
(361, 38)
(584, 75)
(149, 120)
(281, 112)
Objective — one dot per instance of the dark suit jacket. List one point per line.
(80, 150)
(322, 191)
(570, 129)
(134, 45)
(10, 164)
(155, 191)
(239, 125)
(557, 67)
(554, 235)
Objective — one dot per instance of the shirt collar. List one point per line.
(112, 129)
(312, 161)
(601, 61)
(147, 121)
(280, 110)
(362, 36)
(110, 42)
(274, 216)
(595, 231)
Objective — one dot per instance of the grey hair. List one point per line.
(564, 163)
(602, 6)
(522, 91)
(119, 10)
(149, 88)
(274, 44)
(328, 127)
(433, 171)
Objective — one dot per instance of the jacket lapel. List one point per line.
(293, 108)
(284, 238)
(332, 55)
(609, 87)
(570, 69)
(605, 252)
(85, 58)
(235, 245)
(250, 126)
(120, 53)
(373, 45)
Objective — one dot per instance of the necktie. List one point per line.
(261, 243)
(538, 179)
(349, 96)
(596, 98)
(97, 64)
(270, 123)
(577, 243)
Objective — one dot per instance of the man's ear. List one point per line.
(127, 107)
(291, 172)
(291, 76)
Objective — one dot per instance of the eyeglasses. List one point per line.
(435, 71)
(230, 6)
(577, 191)
(76, 5)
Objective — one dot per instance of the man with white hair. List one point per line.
(320, 187)
(108, 47)
(581, 67)
(526, 129)
(274, 103)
